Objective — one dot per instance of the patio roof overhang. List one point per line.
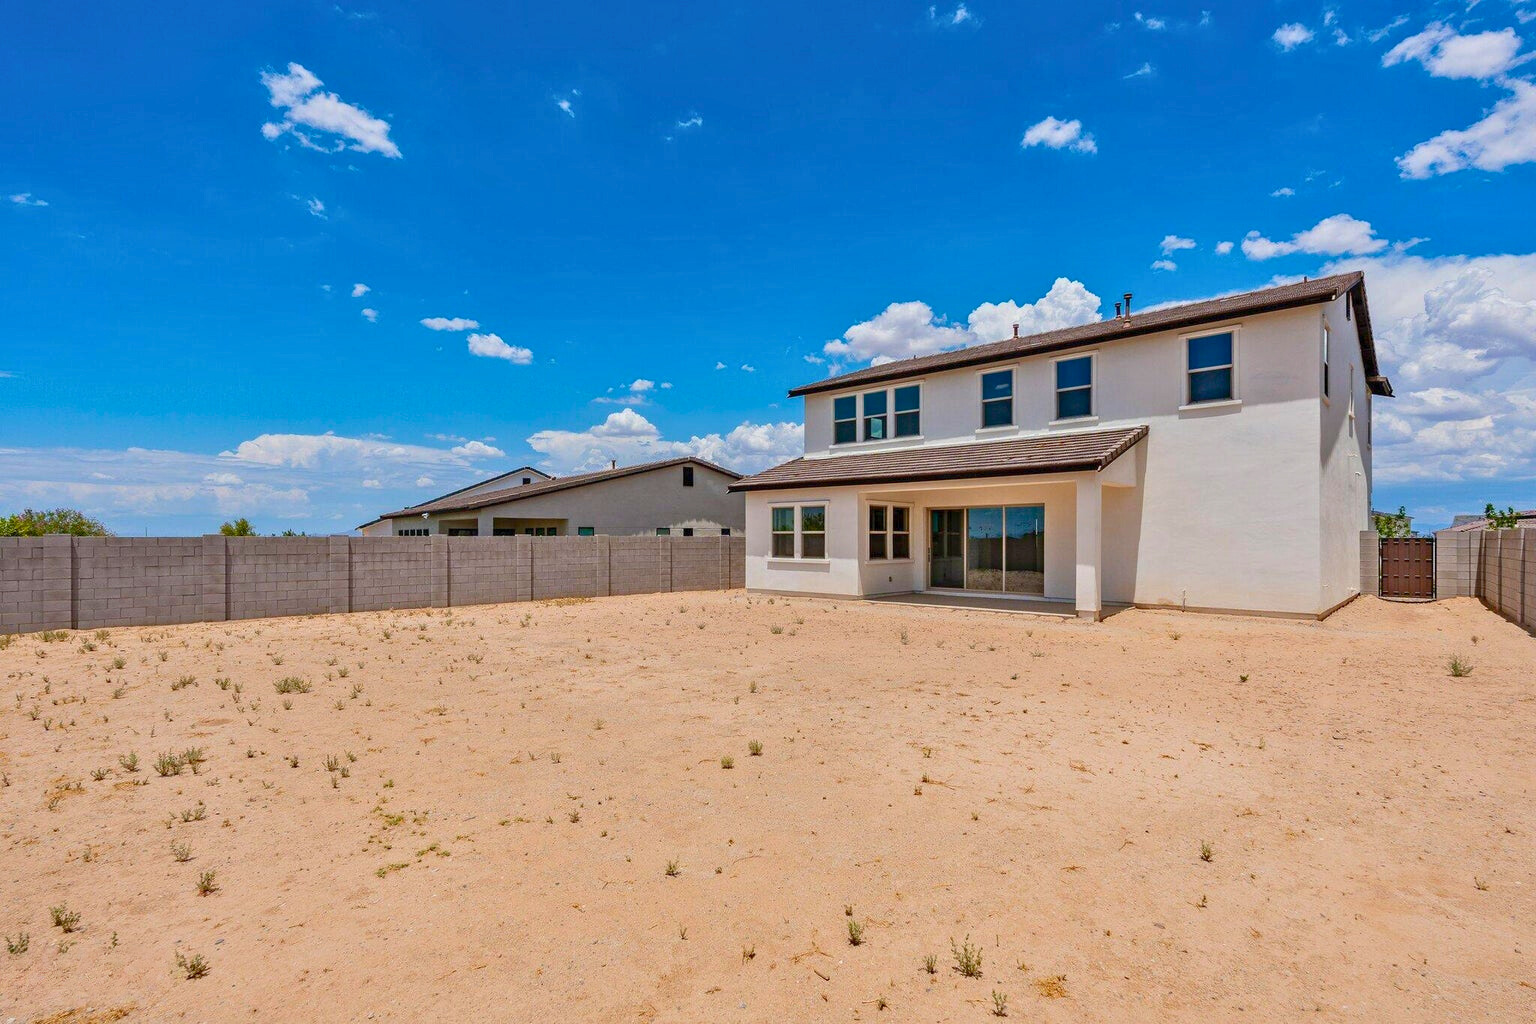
(1083, 451)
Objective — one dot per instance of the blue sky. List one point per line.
(223, 226)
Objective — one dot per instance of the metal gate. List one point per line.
(1408, 567)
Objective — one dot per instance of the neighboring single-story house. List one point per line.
(1214, 455)
(682, 497)
(1465, 523)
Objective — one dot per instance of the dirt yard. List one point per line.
(683, 807)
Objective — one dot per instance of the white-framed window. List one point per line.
(890, 532)
(414, 531)
(1074, 386)
(876, 405)
(1210, 367)
(879, 415)
(798, 531)
(997, 398)
(908, 401)
(1327, 342)
(845, 419)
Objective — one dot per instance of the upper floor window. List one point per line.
(845, 419)
(877, 415)
(687, 476)
(1326, 340)
(1210, 368)
(1074, 388)
(527, 480)
(874, 416)
(908, 411)
(997, 398)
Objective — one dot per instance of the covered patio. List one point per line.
(1008, 525)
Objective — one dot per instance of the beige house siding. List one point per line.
(635, 505)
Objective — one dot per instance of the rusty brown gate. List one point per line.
(1408, 567)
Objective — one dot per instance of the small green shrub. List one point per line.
(967, 958)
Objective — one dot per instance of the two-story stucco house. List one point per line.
(1209, 456)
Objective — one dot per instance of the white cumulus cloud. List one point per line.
(1339, 235)
(629, 438)
(491, 346)
(321, 120)
(26, 199)
(1506, 136)
(1054, 133)
(906, 329)
(1445, 53)
(1291, 35)
(371, 315)
(1173, 243)
(1457, 334)
(359, 290)
(447, 323)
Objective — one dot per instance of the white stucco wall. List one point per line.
(1229, 509)
(1344, 459)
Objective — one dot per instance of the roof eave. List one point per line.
(1132, 329)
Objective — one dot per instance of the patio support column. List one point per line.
(1090, 546)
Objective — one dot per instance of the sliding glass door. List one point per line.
(946, 548)
(996, 549)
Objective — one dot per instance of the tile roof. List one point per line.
(1481, 523)
(474, 501)
(1043, 453)
(1166, 318)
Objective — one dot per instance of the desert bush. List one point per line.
(967, 958)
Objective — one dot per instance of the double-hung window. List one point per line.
(890, 532)
(879, 531)
(908, 402)
(874, 415)
(799, 531)
(784, 532)
(997, 398)
(813, 531)
(1074, 388)
(845, 419)
(1210, 368)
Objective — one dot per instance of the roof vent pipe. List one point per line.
(1117, 311)
(613, 463)
(1127, 305)
(1015, 330)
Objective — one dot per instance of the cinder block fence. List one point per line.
(1496, 566)
(92, 582)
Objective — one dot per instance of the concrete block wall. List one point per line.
(269, 576)
(35, 584)
(1370, 563)
(639, 565)
(701, 566)
(90, 582)
(1509, 574)
(1458, 567)
(1496, 566)
(137, 581)
(567, 567)
(391, 572)
(486, 570)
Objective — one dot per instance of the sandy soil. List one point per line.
(510, 784)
